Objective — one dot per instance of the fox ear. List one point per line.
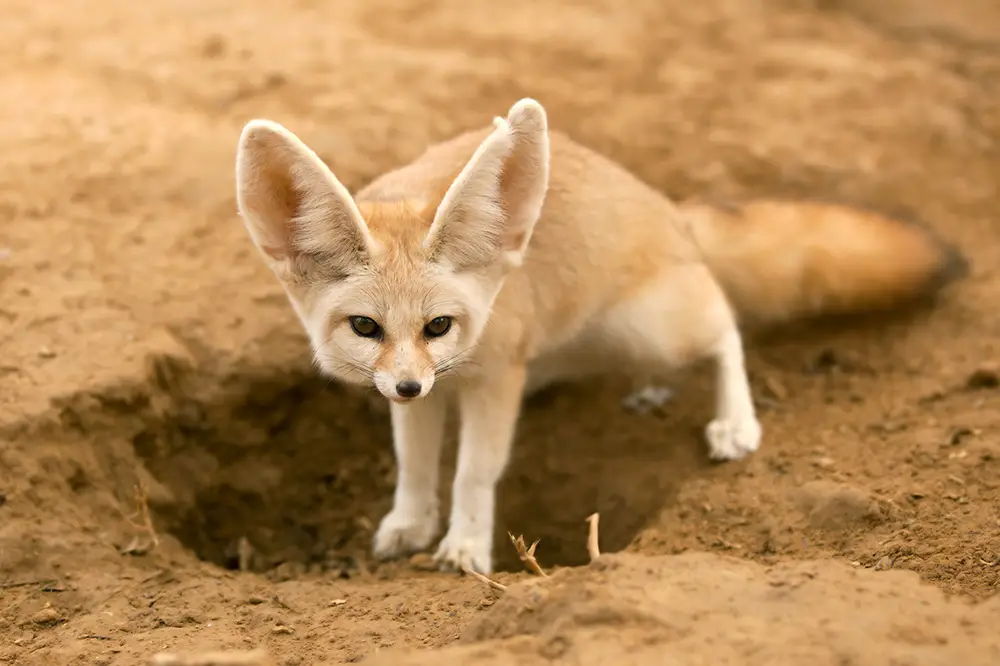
(292, 204)
(489, 212)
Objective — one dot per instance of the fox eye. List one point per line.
(365, 327)
(437, 327)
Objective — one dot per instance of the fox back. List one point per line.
(507, 243)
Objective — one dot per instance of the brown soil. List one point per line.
(144, 344)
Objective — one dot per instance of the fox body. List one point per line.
(511, 257)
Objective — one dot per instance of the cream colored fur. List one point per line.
(552, 263)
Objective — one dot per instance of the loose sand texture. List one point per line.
(143, 344)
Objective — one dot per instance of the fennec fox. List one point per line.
(448, 280)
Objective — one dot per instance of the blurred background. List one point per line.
(143, 343)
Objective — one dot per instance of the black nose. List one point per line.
(408, 388)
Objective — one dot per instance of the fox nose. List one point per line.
(408, 388)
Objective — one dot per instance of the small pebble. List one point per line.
(824, 463)
(647, 399)
(423, 561)
(883, 564)
(47, 617)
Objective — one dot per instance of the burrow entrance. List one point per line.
(282, 471)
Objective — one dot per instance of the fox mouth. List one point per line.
(340, 367)
(401, 400)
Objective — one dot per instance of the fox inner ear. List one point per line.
(490, 210)
(293, 205)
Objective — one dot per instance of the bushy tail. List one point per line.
(783, 260)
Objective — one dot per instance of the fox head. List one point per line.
(393, 296)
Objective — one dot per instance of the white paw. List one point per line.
(465, 551)
(732, 440)
(647, 399)
(402, 533)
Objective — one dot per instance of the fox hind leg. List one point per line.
(680, 317)
(735, 432)
(646, 396)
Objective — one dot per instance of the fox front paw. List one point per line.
(402, 533)
(732, 440)
(457, 552)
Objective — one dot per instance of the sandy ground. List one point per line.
(143, 344)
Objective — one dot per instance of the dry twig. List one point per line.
(252, 658)
(592, 536)
(527, 554)
(483, 579)
(144, 524)
(26, 583)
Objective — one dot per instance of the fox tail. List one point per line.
(785, 260)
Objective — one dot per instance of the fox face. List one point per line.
(398, 321)
(394, 295)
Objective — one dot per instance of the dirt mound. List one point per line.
(174, 476)
(700, 607)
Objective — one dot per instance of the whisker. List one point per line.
(343, 364)
(345, 358)
(448, 366)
